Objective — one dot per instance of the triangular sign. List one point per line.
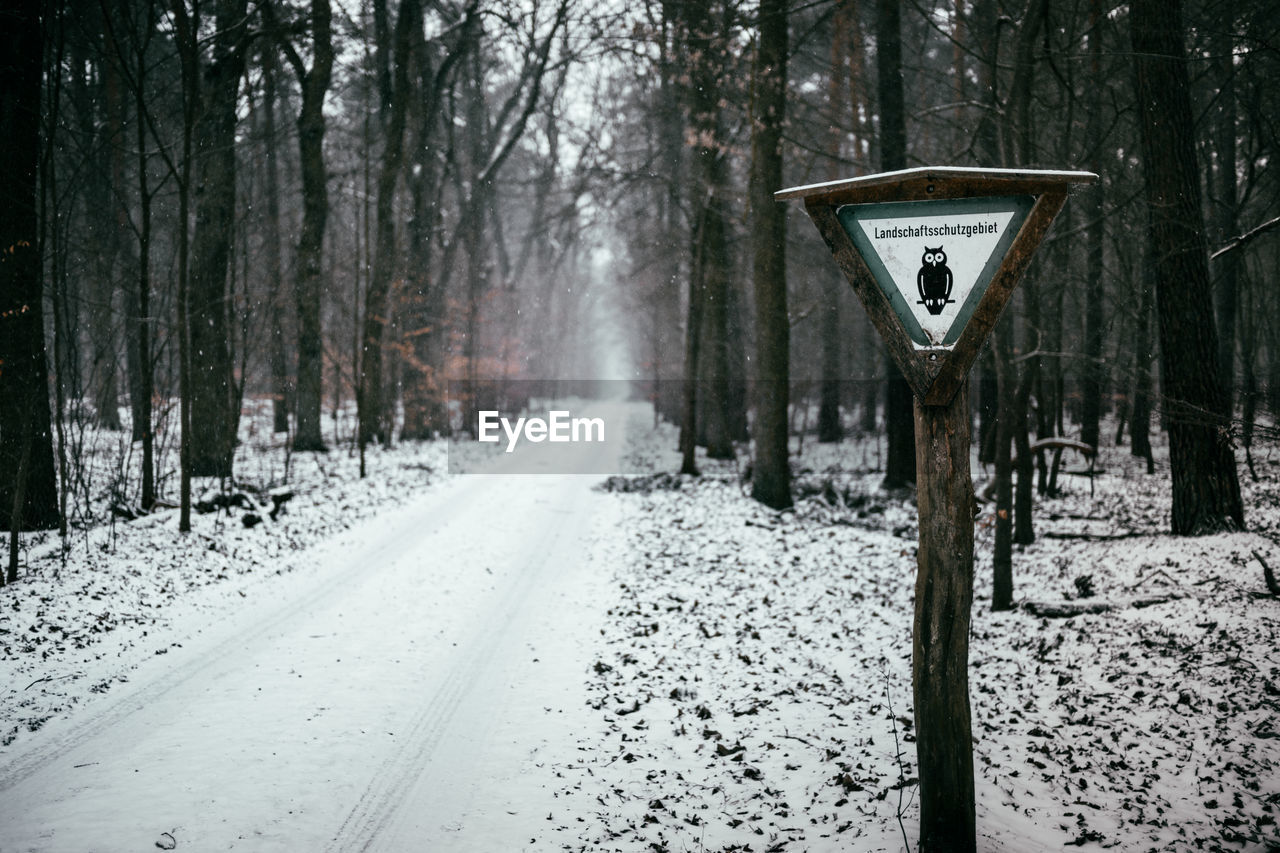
(935, 253)
(934, 259)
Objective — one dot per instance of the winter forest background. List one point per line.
(261, 261)
(326, 204)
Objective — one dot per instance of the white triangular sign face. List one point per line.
(935, 259)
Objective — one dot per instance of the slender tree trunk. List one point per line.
(1092, 371)
(25, 425)
(830, 428)
(715, 284)
(1226, 272)
(148, 497)
(1140, 419)
(900, 460)
(1206, 491)
(122, 243)
(213, 418)
(771, 475)
(692, 358)
(280, 392)
(373, 424)
(1002, 559)
(1023, 497)
(870, 385)
(309, 288)
(97, 191)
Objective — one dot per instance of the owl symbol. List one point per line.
(934, 281)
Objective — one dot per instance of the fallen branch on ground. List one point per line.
(1068, 609)
(1269, 576)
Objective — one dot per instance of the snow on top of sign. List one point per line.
(1048, 175)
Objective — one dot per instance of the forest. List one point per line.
(270, 268)
(330, 205)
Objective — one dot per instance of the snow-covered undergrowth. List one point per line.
(755, 686)
(751, 689)
(81, 618)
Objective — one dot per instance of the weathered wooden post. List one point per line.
(934, 254)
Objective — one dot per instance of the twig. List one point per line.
(1155, 574)
(1269, 576)
(1247, 237)
(897, 754)
(1093, 537)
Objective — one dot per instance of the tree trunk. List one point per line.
(1206, 491)
(1091, 373)
(692, 358)
(771, 474)
(280, 391)
(1023, 498)
(101, 236)
(122, 244)
(940, 639)
(1002, 557)
(900, 460)
(830, 428)
(25, 424)
(1226, 279)
(213, 416)
(308, 291)
(1140, 419)
(373, 424)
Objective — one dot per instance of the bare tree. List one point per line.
(900, 460)
(28, 484)
(1206, 491)
(308, 290)
(214, 413)
(771, 475)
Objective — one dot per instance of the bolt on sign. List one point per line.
(934, 254)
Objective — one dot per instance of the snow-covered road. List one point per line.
(402, 693)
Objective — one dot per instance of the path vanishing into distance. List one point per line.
(405, 688)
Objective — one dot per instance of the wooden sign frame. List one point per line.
(935, 374)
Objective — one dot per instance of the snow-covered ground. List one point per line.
(484, 662)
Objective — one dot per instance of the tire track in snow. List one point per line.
(473, 665)
(201, 657)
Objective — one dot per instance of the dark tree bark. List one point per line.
(92, 83)
(280, 390)
(1002, 556)
(125, 258)
(425, 400)
(711, 262)
(1140, 419)
(940, 638)
(830, 428)
(308, 288)
(988, 407)
(1226, 284)
(713, 246)
(771, 474)
(373, 425)
(25, 424)
(145, 195)
(1014, 384)
(1091, 374)
(1206, 491)
(900, 459)
(214, 414)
